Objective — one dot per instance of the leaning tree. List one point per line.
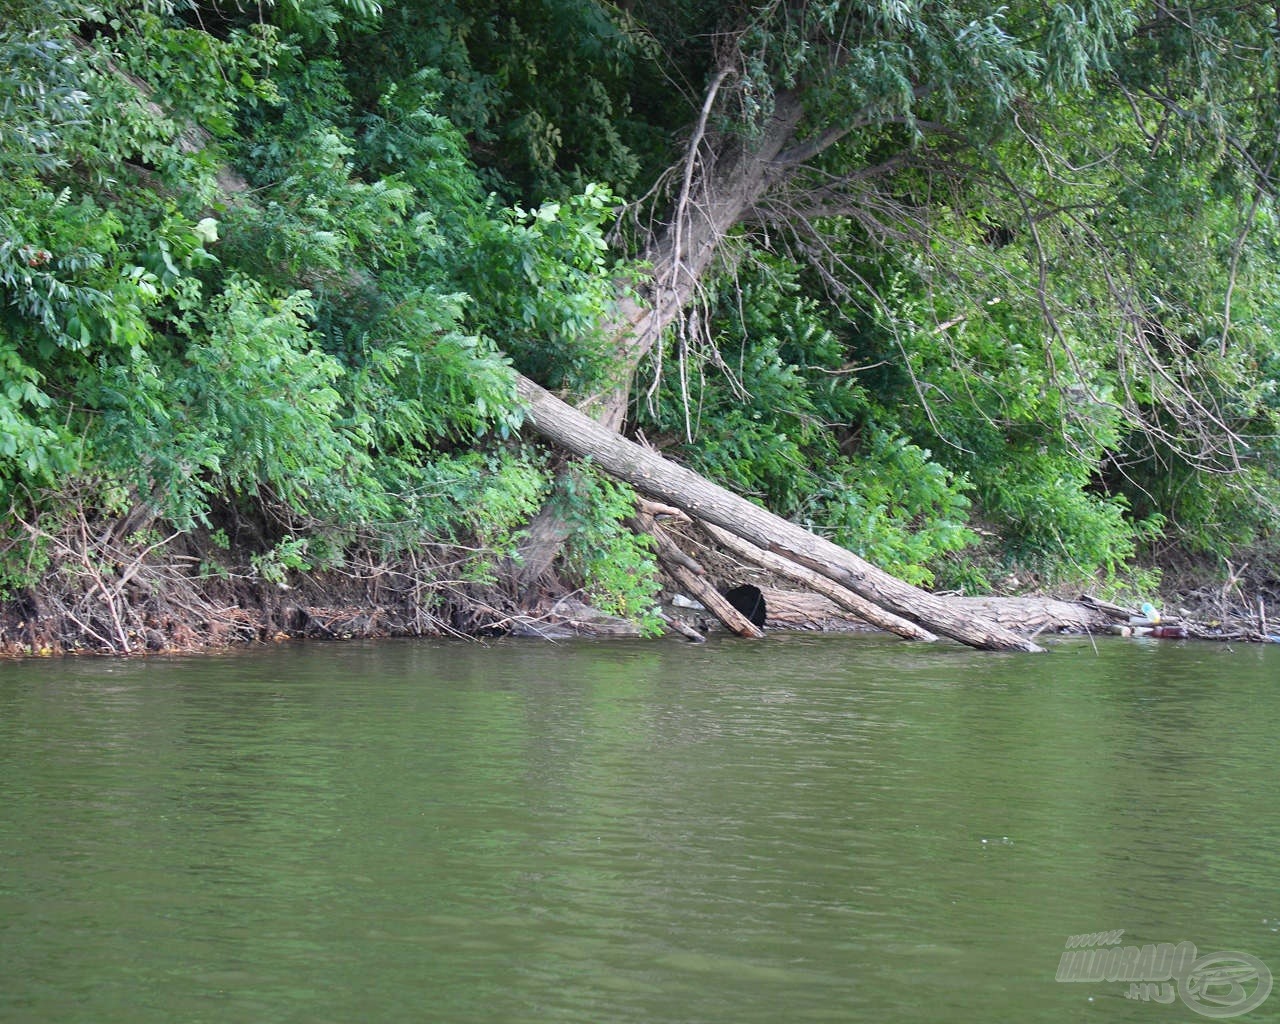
(1089, 134)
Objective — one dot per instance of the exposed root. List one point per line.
(1242, 604)
(133, 596)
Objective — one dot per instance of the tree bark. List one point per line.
(723, 182)
(809, 610)
(660, 478)
(711, 599)
(692, 578)
(818, 583)
(544, 538)
(1033, 614)
(721, 188)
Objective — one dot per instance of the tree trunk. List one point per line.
(818, 583)
(544, 538)
(811, 612)
(665, 480)
(790, 609)
(721, 188)
(1033, 614)
(692, 578)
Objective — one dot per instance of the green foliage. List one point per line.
(34, 452)
(279, 428)
(316, 21)
(290, 555)
(487, 497)
(1048, 308)
(541, 281)
(1131, 588)
(784, 420)
(1028, 439)
(897, 507)
(545, 90)
(41, 98)
(303, 358)
(617, 567)
(405, 135)
(1105, 174)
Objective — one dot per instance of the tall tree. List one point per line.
(1067, 127)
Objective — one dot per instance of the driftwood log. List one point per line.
(701, 499)
(841, 596)
(791, 609)
(1037, 614)
(691, 577)
(811, 612)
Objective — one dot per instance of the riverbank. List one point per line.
(176, 598)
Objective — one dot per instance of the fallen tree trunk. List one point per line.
(1034, 614)
(809, 610)
(842, 596)
(722, 184)
(701, 589)
(660, 478)
(691, 576)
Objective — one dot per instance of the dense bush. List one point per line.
(774, 411)
(299, 345)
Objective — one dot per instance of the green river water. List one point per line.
(806, 828)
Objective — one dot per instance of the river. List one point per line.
(805, 828)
